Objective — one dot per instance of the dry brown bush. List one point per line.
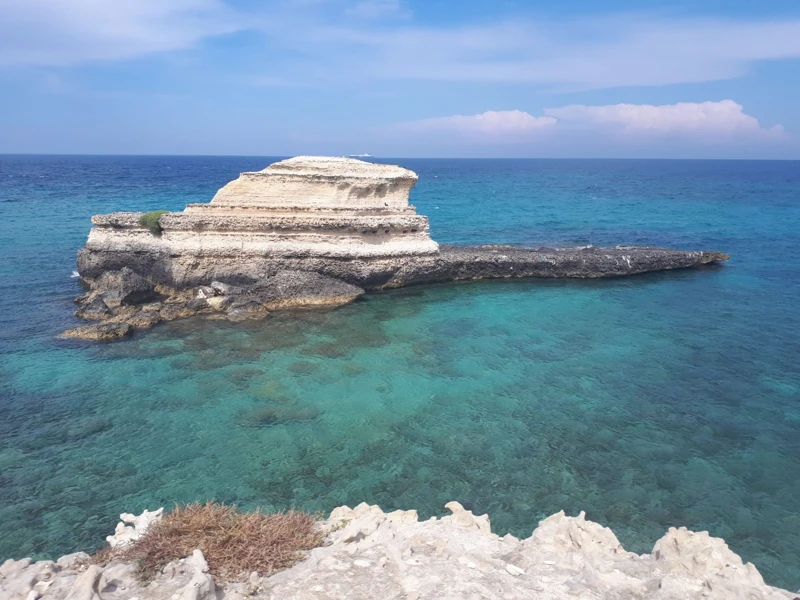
(234, 543)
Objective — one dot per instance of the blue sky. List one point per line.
(401, 78)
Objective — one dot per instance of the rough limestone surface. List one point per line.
(307, 231)
(131, 528)
(370, 554)
(305, 206)
(124, 286)
(288, 289)
(99, 332)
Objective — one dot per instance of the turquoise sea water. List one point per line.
(661, 400)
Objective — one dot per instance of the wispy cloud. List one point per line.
(352, 42)
(614, 51)
(55, 32)
(379, 9)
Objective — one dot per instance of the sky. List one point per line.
(402, 78)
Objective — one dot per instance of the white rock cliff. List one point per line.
(307, 206)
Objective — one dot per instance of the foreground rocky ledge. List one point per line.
(370, 554)
(307, 231)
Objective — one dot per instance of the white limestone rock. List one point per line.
(201, 586)
(370, 554)
(87, 585)
(308, 206)
(137, 526)
(326, 182)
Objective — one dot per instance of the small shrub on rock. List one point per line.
(234, 543)
(150, 220)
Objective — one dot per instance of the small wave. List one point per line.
(74, 275)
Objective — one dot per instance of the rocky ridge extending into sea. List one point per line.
(306, 231)
(369, 554)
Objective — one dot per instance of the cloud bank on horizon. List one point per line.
(338, 76)
(706, 122)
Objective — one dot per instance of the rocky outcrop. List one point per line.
(370, 554)
(116, 288)
(284, 289)
(286, 233)
(132, 527)
(99, 332)
(302, 207)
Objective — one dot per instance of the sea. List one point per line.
(654, 401)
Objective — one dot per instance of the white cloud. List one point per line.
(493, 124)
(63, 32)
(706, 119)
(693, 121)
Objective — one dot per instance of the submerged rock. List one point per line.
(100, 332)
(288, 289)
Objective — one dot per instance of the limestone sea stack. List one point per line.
(306, 231)
(298, 212)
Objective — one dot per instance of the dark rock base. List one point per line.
(452, 263)
(249, 287)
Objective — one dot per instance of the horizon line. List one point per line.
(110, 155)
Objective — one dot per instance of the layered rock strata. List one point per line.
(302, 207)
(336, 218)
(370, 554)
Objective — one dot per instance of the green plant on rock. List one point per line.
(151, 221)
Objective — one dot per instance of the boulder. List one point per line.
(288, 289)
(170, 312)
(216, 302)
(246, 308)
(198, 303)
(123, 287)
(205, 291)
(93, 308)
(99, 332)
(144, 319)
(223, 289)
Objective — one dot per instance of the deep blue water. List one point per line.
(659, 400)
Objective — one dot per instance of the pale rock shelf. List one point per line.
(372, 555)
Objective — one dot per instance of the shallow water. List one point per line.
(661, 400)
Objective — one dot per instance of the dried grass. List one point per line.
(234, 543)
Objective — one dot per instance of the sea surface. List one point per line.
(649, 402)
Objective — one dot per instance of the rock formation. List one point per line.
(372, 555)
(333, 218)
(131, 528)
